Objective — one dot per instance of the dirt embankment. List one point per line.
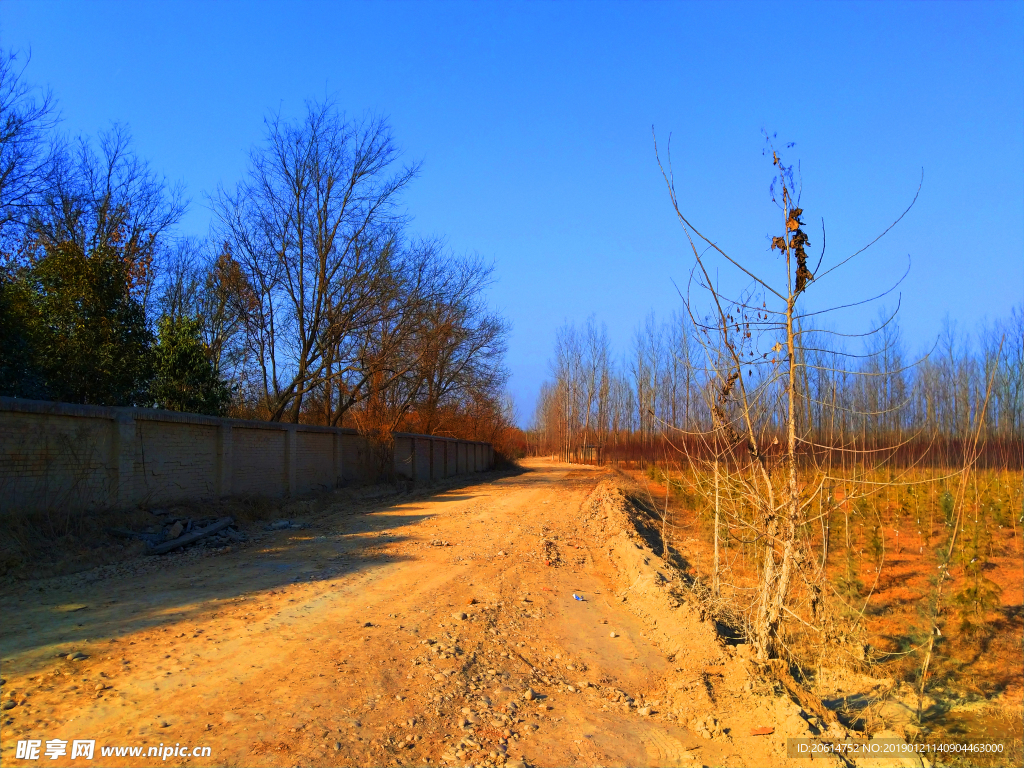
(521, 620)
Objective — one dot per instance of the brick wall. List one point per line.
(61, 456)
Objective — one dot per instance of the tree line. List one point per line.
(309, 300)
(873, 392)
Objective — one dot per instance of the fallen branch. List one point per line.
(188, 538)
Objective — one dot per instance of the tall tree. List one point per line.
(316, 230)
(90, 339)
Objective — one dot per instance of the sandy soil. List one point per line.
(428, 628)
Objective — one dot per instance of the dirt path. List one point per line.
(364, 640)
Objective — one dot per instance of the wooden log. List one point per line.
(188, 538)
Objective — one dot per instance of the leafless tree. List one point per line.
(751, 412)
(316, 229)
(464, 344)
(110, 196)
(27, 118)
(207, 285)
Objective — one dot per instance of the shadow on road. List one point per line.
(341, 536)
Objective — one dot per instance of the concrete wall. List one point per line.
(55, 455)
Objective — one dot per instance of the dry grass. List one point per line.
(883, 582)
(60, 542)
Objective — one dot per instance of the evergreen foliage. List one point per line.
(76, 332)
(186, 377)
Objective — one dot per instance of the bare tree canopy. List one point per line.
(27, 118)
(345, 310)
(97, 198)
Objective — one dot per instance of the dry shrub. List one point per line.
(58, 542)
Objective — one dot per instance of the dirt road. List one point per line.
(428, 628)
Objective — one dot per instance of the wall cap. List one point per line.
(121, 414)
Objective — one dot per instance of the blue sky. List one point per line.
(533, 121)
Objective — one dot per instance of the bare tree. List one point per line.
(464, 347)
(209, 286)
(27, 117)
(110, 197)
(752, 412)
(316, 230)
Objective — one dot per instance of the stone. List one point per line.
(459, 616)
(175, 531)
(644, 711)
(9, 704)
(612, 634)
(100, 686)
(529, 695)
